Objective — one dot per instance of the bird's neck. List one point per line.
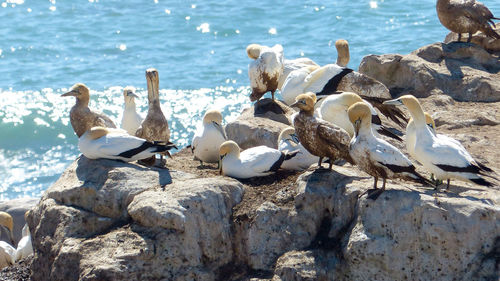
(130, 105)
(82, 101)
(417, 113)
(307, 113)
(365, 129)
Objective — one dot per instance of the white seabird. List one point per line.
(108, 143)
(334, 109)
(253, 162)
(208, 138)
(376, 156)
(7, 254)
(24, 246)
(288, 141)
(443, 158)
(267, 69)
(411, 133)
(131, 120)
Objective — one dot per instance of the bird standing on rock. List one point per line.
(81, 117)
(375, 156)
(154, 128)
(266, 69)
(131, 120)
(319, 137)
(444, 158)
(466, 16)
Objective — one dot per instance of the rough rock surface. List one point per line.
(260, 124)
(16, 208)
(490, 44)
(107, 220)
(463, 71)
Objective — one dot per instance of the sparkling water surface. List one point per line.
(198, 48)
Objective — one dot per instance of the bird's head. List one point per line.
(359, 113)
(79, 90)
(7, 222)
(129, 93)
(253, 51)
(305, 102)
(212, 115)
(227, 148)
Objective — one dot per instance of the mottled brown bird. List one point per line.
(81, 117)
(319, 137)
(154, 128)
(466, 16)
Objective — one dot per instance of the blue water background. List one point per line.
(198, 48)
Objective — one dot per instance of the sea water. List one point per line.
(198, 48)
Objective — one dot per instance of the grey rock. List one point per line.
(463, 71)
(260, 124)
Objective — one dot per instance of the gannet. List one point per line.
(24, 246)
(466, 16)
(81, 117)
(411, 133)
(208, 138)
(334, 110)
(155, 126)
(319, 137)
(108, 143)
(327, 80)
(131, 120)
(376, 156)
(443, 158)
(253, 52)
(253, 162)
(7, 223)
(343, 56)
(265, 70)
(7, 254)
(288, 141)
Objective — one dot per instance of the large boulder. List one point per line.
(108, 220)
(423, 237)
(323, 205)
(260, 124)
(464, 71)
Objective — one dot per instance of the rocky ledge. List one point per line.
(107, 220)
(463, 71)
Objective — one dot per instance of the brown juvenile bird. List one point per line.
(466, 16)
(319, 137)
(154, 128)
(81, 117)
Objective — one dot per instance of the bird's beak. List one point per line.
(70, 93)
(130, 94)
(295, 104)
(220, 163)
(393, 102)
(357, 125)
